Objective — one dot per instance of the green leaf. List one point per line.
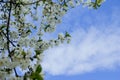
(97, 4)
(36, 76)
(23, 53)
(99, 1)
(67, 34)
(43, 1)
(28, 31)
(38, 69)
(40, 40)
(38, 52)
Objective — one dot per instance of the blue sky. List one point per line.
(94, 51)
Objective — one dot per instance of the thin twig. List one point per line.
(9, 39)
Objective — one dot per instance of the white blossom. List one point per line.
(24, 35)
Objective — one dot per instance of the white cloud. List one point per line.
(87, 51)
(90, 49)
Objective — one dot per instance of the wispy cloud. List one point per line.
(90, 49)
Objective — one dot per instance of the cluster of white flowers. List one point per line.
(61, 37)
(52, 14)
(27, 49)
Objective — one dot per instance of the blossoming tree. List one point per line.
(21, 30)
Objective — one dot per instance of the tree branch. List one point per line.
(7, 29)
(7, 34)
